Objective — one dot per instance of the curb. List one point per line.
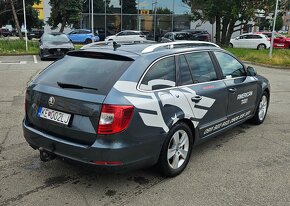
(267, 65)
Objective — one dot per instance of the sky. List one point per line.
(179, 7)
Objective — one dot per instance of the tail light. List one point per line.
(114, 118)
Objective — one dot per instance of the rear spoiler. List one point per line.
(99, 55)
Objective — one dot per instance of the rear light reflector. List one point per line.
(114, 118)
(106, 163)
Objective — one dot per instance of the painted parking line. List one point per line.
(10, 62)
(35, 59)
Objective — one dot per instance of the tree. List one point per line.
(129, 7)
(99, 6)
(16, 19)
(279, 22)
(226, 14)
(11, 12)
(164, 20)
(65, 12)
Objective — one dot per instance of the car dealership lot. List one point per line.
(248, 165)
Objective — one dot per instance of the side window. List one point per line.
(161, 75)
(230, 66)
(120, 34)
(256, 37)
(132, 33)
(201, 66)
(185, 75)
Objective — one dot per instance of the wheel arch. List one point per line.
(189, 123)
(261, 44)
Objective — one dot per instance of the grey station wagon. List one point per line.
(129, 106)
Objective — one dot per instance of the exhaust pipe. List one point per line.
(45, 156)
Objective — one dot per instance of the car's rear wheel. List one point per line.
(176, 150)
(261, 47)
(262, 109)
(88, 41)
(231, 45)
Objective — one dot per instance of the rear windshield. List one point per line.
(100, 74)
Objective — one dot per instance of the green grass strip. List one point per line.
(281, 57)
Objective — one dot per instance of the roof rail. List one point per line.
(172, 45)
(103, 43)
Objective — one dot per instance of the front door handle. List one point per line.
(196, 99)
(232, 90)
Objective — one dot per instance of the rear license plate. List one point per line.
(56, 116)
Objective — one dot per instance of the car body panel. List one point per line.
(251, 41)
(155, 111)
(50, 49)
(82, 36)
(126, 36)
(280, 41)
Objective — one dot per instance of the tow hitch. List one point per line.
(45, 156)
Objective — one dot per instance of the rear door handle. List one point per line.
(196, 98)
(232, 90)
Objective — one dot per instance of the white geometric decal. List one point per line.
(179, 98)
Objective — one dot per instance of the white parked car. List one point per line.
(126, 36)
(251, 41)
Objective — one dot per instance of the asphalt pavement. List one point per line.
(249, 165)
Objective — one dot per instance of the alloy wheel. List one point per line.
(178, 147)
(263, 108)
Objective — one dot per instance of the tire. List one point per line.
(176, 150)
(261, 47)
(88, 41)
(261, 110)
(231, 45)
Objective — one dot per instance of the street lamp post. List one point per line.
(105, 18)
(121, 15)
(92, 7)
(172, 16)
(273, 30)
(154, 28)
(138, 16)
(24, 14)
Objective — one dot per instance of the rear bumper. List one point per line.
(44, 53)
(128, 156)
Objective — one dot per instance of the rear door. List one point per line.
(74, 36)
(121, 36)
(206, 94)
(243, 41)
(75, 88)
(83, 35)
(241, 89)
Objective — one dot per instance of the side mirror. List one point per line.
(251, 71)
(237, 38)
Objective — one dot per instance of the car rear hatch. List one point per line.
(65, 100)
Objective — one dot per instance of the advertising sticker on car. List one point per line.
(53, 115)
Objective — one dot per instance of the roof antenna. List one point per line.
(116, 45)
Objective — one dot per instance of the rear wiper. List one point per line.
(74, 86)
